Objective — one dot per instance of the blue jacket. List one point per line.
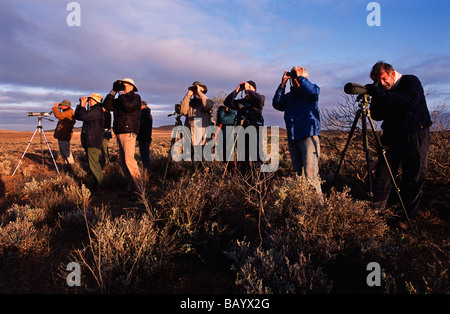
(301, 109)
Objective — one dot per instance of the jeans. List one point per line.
(127, 147)
(64, 150)
(305, 154)
(410, 151)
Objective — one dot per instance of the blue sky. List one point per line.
(166, 45)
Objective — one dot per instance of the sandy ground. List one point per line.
(13, 136)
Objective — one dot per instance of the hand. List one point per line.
(374, 90)
(193, 89)
(240, 87)
(285, 78)
(83, 101)
(56, 104)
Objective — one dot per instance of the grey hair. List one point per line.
(301, 69)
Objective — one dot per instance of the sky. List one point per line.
(165, 45)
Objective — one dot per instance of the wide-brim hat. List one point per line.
(201, 85)
(131, 82)
(66, 102)
(97, 97)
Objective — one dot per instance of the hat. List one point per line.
(252, 84)
(131, 82)
(200, 84)
(98, 98)
(66, 102)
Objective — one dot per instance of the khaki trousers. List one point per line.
(127, 147)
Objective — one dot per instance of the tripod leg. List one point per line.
(232, 151)
(169, 159)
(383, 155)
(50, 150)
(366, 150)
(23, 155)
(350, 135)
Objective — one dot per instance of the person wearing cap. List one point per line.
(301, 114)
(92, 133)
(64, 129)
(197, 108)
(249, 113)
(145, 135)
(127, 114)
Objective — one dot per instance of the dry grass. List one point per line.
(212, 233)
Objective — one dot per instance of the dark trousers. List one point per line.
(144, 151)
(411, 152)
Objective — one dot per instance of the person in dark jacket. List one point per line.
(301, 114)
(64, 129)
(92, 133)
(399, 101)
(127, 114)
(107, 136)
(249, 113)
(145, 135)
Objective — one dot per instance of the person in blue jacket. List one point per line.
(301, 115)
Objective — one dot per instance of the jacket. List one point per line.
(92, 130)
(127, 112)
(402, 109)
(301, 109)
(64, 128)
(197, 108)
(145, 126)
(249, 109)
(225, 116)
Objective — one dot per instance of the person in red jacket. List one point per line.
(64, 129)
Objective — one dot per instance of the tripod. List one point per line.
(41, 133)
(364, 113)
(177, 123)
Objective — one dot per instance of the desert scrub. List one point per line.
(192, 203)
(123, 254)
(22, 233)
(276, 271)
(305, 234)
(56, 195)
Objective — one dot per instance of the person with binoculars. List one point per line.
(64, 129)
(301, 115)
(127, 113)
(249, 114)
(197, 108)
(90, 112)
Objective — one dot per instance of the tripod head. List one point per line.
(178, 115)
(364, 100)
